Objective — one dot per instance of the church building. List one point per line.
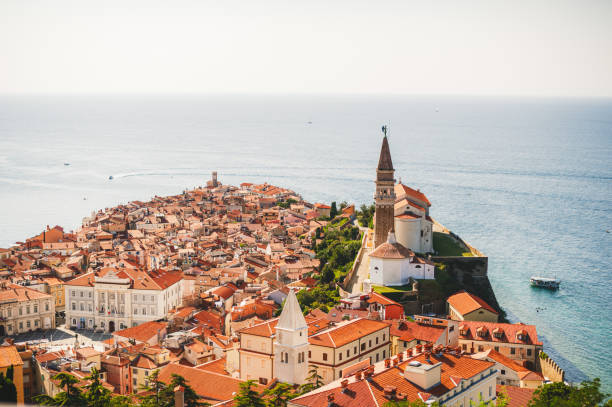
(402, 228)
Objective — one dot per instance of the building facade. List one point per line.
(23, 309)
(116, 299)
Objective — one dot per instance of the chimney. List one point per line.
(357, 376)
(179, 396)
(387, 362)
(344, 383)
(330, 399)
(390, 392)
(423, 375)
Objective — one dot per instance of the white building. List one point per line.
(114, 299)
(291, 343)
(413, 226)
(392, 264)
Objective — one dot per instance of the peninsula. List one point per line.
(252, 287)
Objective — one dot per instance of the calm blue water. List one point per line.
(528, 182)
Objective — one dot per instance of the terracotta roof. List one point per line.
(208, 385)
(408, 331)
(509, 332)
(392, 251)
(349, 332)
(143, 362)
(384, 161)
(518, 397)
(85, 280)
(15, 292)
(465, 303)
(9, 356)
(215, 366)
(143, 332)
(377, 298)
(371, 392)
(401, 189)
(504, 360)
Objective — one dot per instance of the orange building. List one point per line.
(9, 356)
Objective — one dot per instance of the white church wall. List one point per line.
(408, 233)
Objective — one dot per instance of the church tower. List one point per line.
(291, 344)
(384, 197)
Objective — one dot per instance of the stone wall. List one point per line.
(550, 369)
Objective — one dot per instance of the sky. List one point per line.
(542, 48)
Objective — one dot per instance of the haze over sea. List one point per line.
(527, 181)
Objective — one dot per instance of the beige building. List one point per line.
(348, 343)
(287, 347)
(441, 376)
(23, 309)
(518, 342)
(464, 306)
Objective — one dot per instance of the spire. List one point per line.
(291, 318)
(384, 162)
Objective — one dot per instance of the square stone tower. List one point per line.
(384, 196)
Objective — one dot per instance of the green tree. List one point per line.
(587, 394)
(279, 395)
(247, 397)
(160, 394)
(313, 381)
(8, 391)
(71, 396)
(121, 401)
(96, 394)
(334, 210)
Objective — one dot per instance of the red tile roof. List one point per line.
(9, 356)
(509, 334)
(349, 332)
(392, 251)
(518, 397)
(371, 392)
(208, 385)
(465, 303)
(412, 193)
(143, 332)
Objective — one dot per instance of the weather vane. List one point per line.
(384, 130)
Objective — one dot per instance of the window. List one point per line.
(21, 324)
(89, 294)
(451, 328)
(74, 306)
(135, 311)
(464, 346)
(144, 311)
(377, 340)
(348, 353)
(73, 293)
(503, 371)
(528, 352)
(28, 324)
(36, 308)
(512, 351)
(355, 350)
(384, 354)
(309, 354)
(325, 356)
(46, 307)
(383, 337)
(362, 347)
(10, 312)
(90, 307)
(377, 356)
(496, 348)
(82, 307)
(152, 298)
(134, 381)
(263, 380)
(27, 309)
(480, 348)
(81, 294)
(35, 322)
(340, 356)
(370, 343)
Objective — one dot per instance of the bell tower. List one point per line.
(384, 196)
(291, 344)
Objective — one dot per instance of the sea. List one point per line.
(527, 181)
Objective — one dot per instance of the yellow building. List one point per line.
(55, 288)
(9, 356)
(23, 309)
(149, 360)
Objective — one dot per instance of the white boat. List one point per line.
(545, 282)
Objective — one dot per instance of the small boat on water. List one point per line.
(545, 282)
(111, 177)
(66, 164)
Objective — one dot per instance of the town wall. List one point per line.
(550, 369)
